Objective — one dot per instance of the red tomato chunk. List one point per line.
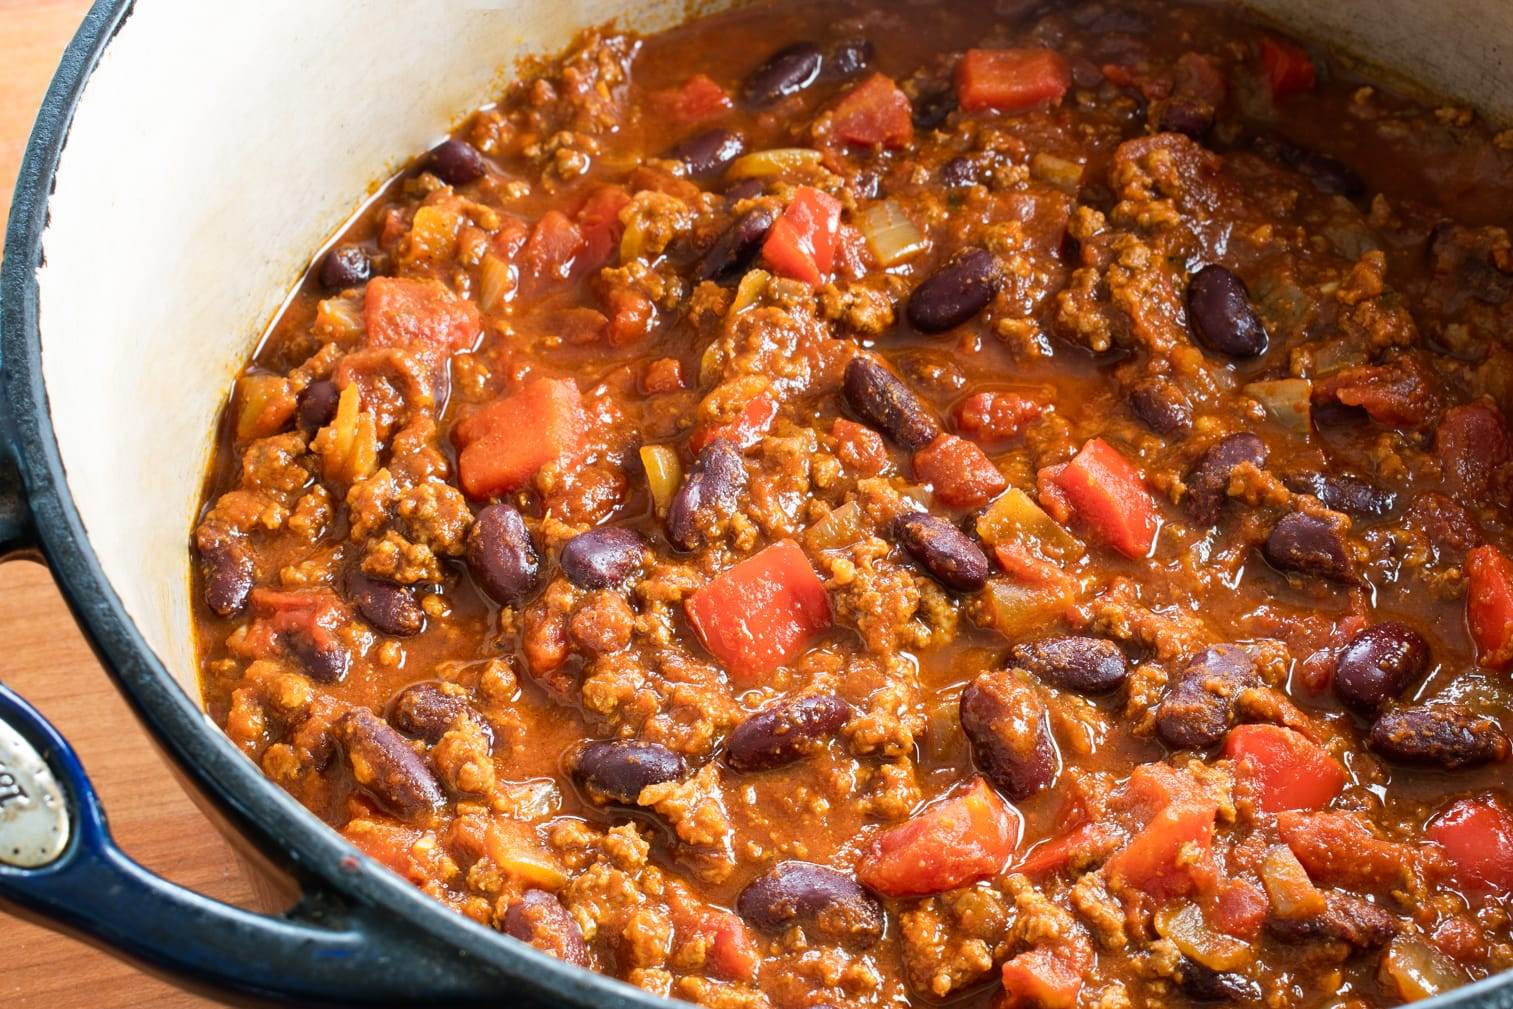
(875, 113)
(503, 445)
(1489, 606)
(1010, 80)
(801, 244)
(1477, 838)
(423, 316)
(1277, 769)
(960, 839)
(962, 475)
(1108, 495)
(1288, 69)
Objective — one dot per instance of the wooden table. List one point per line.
(48, 662)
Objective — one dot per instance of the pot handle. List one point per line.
(59, 864)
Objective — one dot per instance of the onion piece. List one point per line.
(497, 280)
(751, 287)
(1418, 970)
(1059, 172)
(761, 164)
(1287, 400)
(1291, 892)
(890, 233)
(664, 472)
(1185, 927)
(1015, 519)
(842, 527)
(1016, 610)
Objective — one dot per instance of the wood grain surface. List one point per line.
(48, 662)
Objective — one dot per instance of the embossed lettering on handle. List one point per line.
(34, 823)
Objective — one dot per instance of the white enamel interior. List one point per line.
(220, 143)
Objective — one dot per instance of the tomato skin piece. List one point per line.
(552, 248)
(1288, 69)
(875, 113)
(599, 227)
(761, 613)
(503, 445)
(698, 98)
(801, 244)
(1055, 853)
(1476, 835)
(1108, 494)
(423, 316)
(1281, 769)
(961, 473)
(960, 839)
(1489, 606)
(752, 422)
(1010, 80)
(1338, 849)
(1240, 909)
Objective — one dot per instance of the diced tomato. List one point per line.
(1287, 67)
(1010, 80)
(313, 616)
(1338, 849)
(1277, 769)
(801, 243)
(631, 316)
(579, 326)
(665, 374)
(554, 245)
(875, 112)
(960, 839)
(745, 430)
(1489, 606)
(1029, 567)
(1477, 838)
(503, 445)
(390, 844)
(1055, 853)
(1108, 495)
(996, 415)
(1239, 909)
(1047, 976)
(1471, 443)
(858, 447)
(1158, 860)
(961, 473)
(761, 613)
(698, 98)
(423, 316)
(1403, 392)
(598, 222)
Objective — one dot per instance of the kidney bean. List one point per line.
(1162, 406)
(821, 900)
(1448, 736)
(539, 919)
(457, 163)
(317, 405)
(1220, 314)
(1080, 664)
(745, 189)
(390, 608)
(847, 58)
(1379, 664)
(1204, 984)
(1345, 918)
(1208, 483)
(227, 567)
(1342, 492)
(324, 662)
(346, 266)
(386, 766)
(881, 398)
(427, 711)
(737, 245)
(617, 770)
(784, 732)
(1184, 114)
(955, 292)
(501, 556)
(959, 171)
(602, 557)
(946, 553)
(1310, 545)
(1326, 174)
(708, 152)
(713, 484)
(933, 106)
(1198, 708)
(1006, 723)
(786, 72)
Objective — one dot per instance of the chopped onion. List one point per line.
(842, 527)
(1054, 171)
(1418, 970)
(497, 280)
(339, 320)
(1287, 400)
(1291, 892)
(663, 474)
(1017, 609)
(760, 164)
(1015, 519)
(751, 287)
(891, 234)
(1185, 927)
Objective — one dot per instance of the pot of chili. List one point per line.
(152, 237)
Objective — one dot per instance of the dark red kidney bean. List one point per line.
(786, 72)
(954, 293)
(386, 766)
(881, 399)
(1081, 664)
(959, 171)
(1208, 482)
(227, 568)
(317, 405)
(1342, 492)
(602, 557)
(617, 770)
(708, 152)
(1309, 545)
(737, 245)
(1198, 708)
(847, 58)
(325, 661)
(457, 163)
(1346, 918)
(501, 556)
(1447, 736)
(346, 266)
(933, 107)
(427, 711)
(539, 919)
(1326, 174)
(822, 901)
(390, 608)
(1220, 314)
(784, 732)
(713, 485)
(1005, 721)
(1204, 984)
(1162, 406)
(1184, 114)
(746, 189)
(945, 552)
(1379, 664)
